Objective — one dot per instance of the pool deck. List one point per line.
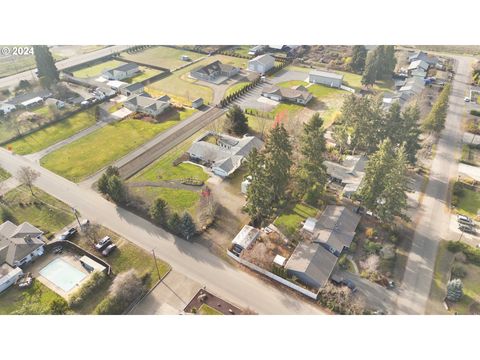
(41, 262)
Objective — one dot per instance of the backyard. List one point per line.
(162, 56)
(96, 70)
(81, 158)
(145, 73)
(289, 221)
(54, 133)
(41, 210)
(184, 89)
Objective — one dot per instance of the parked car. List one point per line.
(109, 249)
(68, 234)
(467, 99)
(103, 243)
(467, 229)
(462, 219)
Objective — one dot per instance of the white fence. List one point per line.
(273, 276)
(343, 87)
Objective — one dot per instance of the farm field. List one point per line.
(162, 56)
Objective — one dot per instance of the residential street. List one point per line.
(76, 60)
(190, 259)
(432, 217)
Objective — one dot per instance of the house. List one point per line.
(131, 89)
(18, 100)
(20, 244)
(262, 63)
(8, 276)
(256, 50)
(297, 94)
(349, 173)
(420, 55)
(147, 105)
(223, 153)
(214, 72)
(419, 72)
(325, 78)
(6, 108)
(414, 86)
(197, 103)
(312, 262)
(121, 72)
(418, 64)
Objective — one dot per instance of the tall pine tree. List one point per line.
(47, 71)
(359, 57)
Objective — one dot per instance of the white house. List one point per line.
(325, 78)
(20, 244)
(145, 104)
(8, 276)
(121, 72)
(261, 64)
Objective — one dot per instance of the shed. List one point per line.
(310, 224)
(32, 102)
(279, 260)
(197, 103)
(246, 236)
(91, 265)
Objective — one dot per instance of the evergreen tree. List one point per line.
(58, 307)
(187, 226)
(174, 223)
(159, 211)
(45, 65)
(278, 153)
(454, 290)
(312, 175)
(371, 68)
(236, 122)
(359, 57)
(435, 121)
(259, 194)
(102, 184)
(116, 189)
(411, 132)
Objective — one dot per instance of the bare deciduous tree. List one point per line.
(92, 232)
(27, 176)
(126, 287)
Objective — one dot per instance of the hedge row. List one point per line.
(472, 254)
(475, 112)
(89, 287)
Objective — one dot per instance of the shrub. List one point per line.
(458, 271)
(88, 287)
(472, 254)
(475, 112)
(370, 232)
(371, 247)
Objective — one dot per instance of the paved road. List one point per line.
(191, 259)
(433, 216)
(13, 80)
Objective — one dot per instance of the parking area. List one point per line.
(457, 234)
(254, 99)
(289, 75)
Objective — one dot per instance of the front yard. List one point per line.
(290, 220)
(41, 210)
(91, 153)
(54, 133)
(466, 199)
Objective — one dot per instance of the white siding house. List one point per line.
(8, 276)
(325, 78)
(121, 72)
(261, 64)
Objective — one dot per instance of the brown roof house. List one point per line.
(215, 72)
(297, 94)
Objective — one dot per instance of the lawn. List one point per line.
(183, 89)
(208, 310)
(470, 155)
(468, 201)
(145, 73)
(54, 133)
(165, 57)
(243, 49)
(319, 91)
(97, 69)
(178, 200)
(4, 175)
(81, 158)
(42, 210)
(238, 86)
(290, 220)
(35, 299)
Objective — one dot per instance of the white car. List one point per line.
(467, 99)
(462, 219)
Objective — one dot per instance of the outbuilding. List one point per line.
(325, 78)
(261, 64)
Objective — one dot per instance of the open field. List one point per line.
(54, 133)
(243, 49)
(33, 300)
(466, 200)
(81, 158)
(96, 69)
(145, 73)
(162, 56)
(178, 200)
(290, 220)
(184, 89)
(41, 210)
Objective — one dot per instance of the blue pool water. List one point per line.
(62, 274)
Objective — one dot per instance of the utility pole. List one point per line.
(76, 216)
(156, 265)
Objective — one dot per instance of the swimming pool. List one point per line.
(62, 274)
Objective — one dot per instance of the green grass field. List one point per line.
(54, 133)
(96, 69)
(81, 158)
(177, 200)
(145, 73)
(184, 89)
(42, 210)
(236, 87)
(290, 220)
(208, 310)
(165, 57)
(4, 175)
(468, 202)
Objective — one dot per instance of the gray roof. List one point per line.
(146, 102)
(326, 74)
(227, 157)
(350, 171)
(313, 260)
(265, 59)
(336, 227)
(418, 64)
(287, 93)
(28, 96)
(213, 68)
(134, 86)
(125, 67)
(16, 242)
